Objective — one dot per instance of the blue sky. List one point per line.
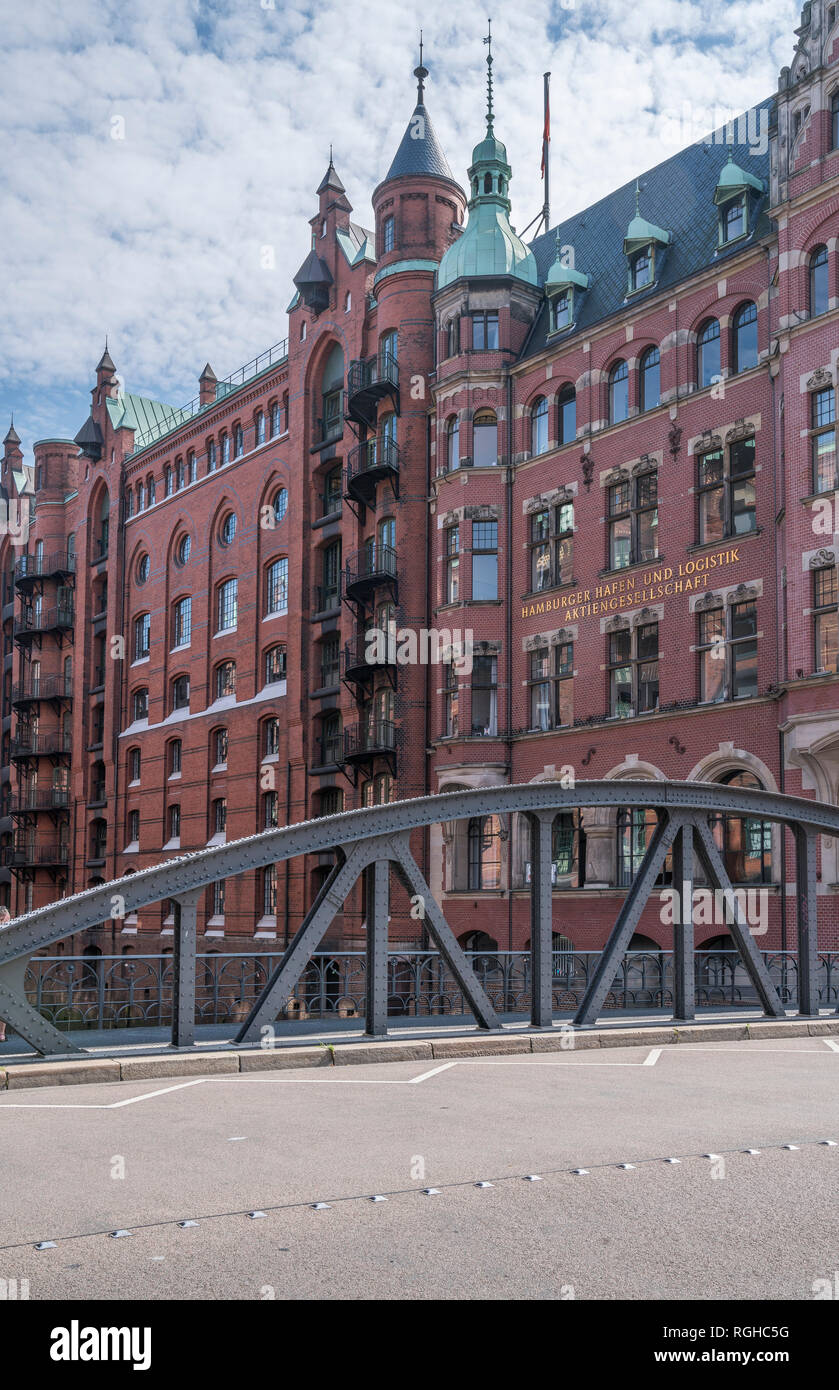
(152, 150)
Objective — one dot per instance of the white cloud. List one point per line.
(228, 112)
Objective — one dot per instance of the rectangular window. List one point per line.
(823, 440)
(211, 456)
(228, 605)
(485, 696)
(552, 547)
(180, 693)
(451, 696)
(329, 661)
(174, 757)
(388, 235)
(727, 650)
(452, 593)
(552, 686)
(484, 560)
(726, 492)
(485, 331)
(276, 599)
(633, 671)
(633, 521)
(182, 625)
(826, 633)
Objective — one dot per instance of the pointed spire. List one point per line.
(12, 437)
(330, 183)
(208, 374)
(420, 73)
(488, 42)
(105, 363)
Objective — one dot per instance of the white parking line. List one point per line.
(133, 1100)
(652, 1058)
(829, 1042)
(415, 1080)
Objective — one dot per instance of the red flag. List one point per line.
(546, 134)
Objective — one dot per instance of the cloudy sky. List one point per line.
(151, 150)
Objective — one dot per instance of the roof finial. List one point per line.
(488, 42)
(420, 73)
(637, 197)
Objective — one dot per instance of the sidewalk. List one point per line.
(142, 1053)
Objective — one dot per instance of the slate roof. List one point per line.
(416, 156)
(677, 195)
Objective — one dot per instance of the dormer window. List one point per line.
(733, 220)
(388, 235)
(641, 268)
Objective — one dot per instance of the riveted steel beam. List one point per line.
(712, 862)
(278, 990)
(441, 933)
(38, 929)
(183, 991)
(807, 917)
(378, 902)
(541, 919)
(633, 905)
(684, 982)
(16, 1010)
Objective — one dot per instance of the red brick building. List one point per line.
(605, 461)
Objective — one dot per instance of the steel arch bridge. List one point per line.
(376, 839)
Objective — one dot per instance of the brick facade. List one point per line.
(418, 512)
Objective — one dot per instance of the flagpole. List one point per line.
(546, 153)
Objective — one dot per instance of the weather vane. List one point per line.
(420, 74)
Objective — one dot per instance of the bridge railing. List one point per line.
(102, 992)
(375, 842)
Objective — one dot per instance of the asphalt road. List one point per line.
(79, 1162)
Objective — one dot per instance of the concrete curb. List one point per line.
(87, 1071)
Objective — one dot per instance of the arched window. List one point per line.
(650, 379)
(260, 427)
(708, 353)
(484, 439)
(225, 449)
(167, 481)
(745, 842)
(484, 844)
(271, 737)
(819, 286)
(452, 337)
(539, 426)
(225, 680)
(104, 523)
(388, 235)
(280, 504)
(332, 384)
(275, 664)
(618, 393)
(453, 443)
(567, 406)
(744, 338)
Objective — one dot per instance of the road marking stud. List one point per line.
(378, 1198)
(532, 1177)
(431, 1191)
(483, 1184)
(828, 1143)
(184, 1224)
(672, 1160)
(627, 1167)
(751, 1151)
(117, 1234)
(794, 1147)
(254, 1215)
(45, 1245)
(581, 1172)
(320, 1206)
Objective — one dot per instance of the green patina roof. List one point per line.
(734, 180)
(139, 413)
(489, 246)
(640, 232)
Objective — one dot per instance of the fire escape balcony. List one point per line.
(25, 746)
(369, 569)
(368, 382)
(32, 691)
(31, 569)
(356, 667)
(39, 799)
(373, 739)
(33, 623)
(26, 855)
(368, 464)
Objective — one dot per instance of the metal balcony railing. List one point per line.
(355, 664)
(32, 621)
(30, 567)
(367, 740)
(368, 381)
(32, 854)
(40, 799)
(367, 464)
(40, 745)
(42, 688)
(369, 568)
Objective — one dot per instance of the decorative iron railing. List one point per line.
(136, 991)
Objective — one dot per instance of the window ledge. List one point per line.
(181, 647)
(225, 631)
(173, 844)
(141, 661)
(132, 848)
(219, 767)
(724, 540)
(220, 838)
(631, 569)
(135, 782)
